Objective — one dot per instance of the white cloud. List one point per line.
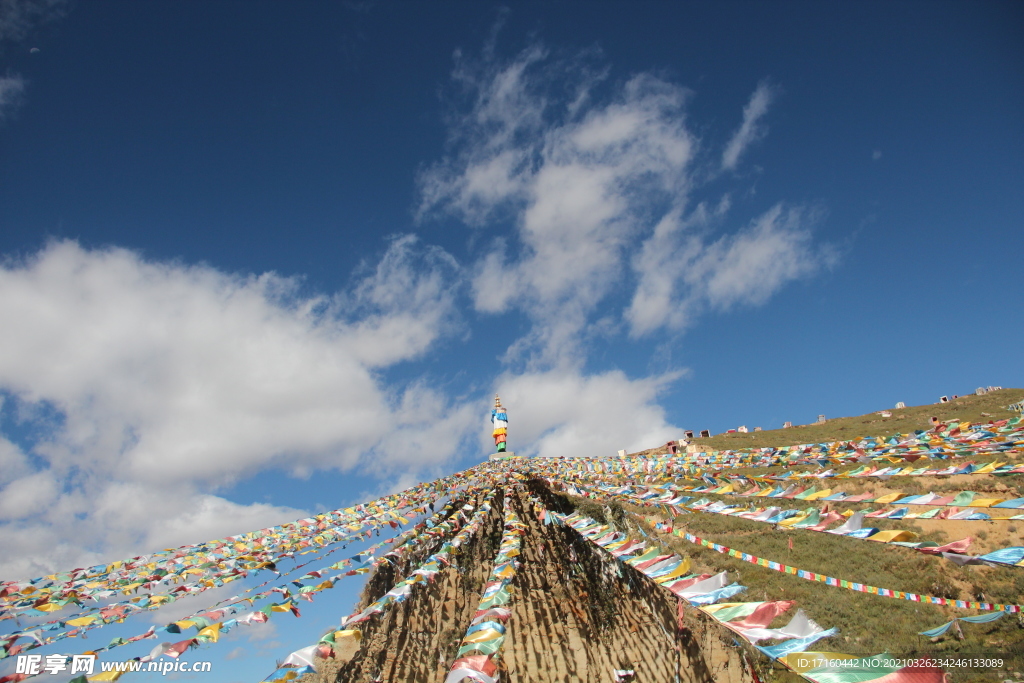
(28, 496)
(680, 273)
(157, 362)
(12, 89)
(13, 463)
(750, 130)
(404, 305)
(171, 380)
(580, 178)
(591, 181)
(750, 266)
(495, 140)
(658, 264)
(426, 428)
(563, 413)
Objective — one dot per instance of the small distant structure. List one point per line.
(622, 453)
(730, 431)
(944, 399)
(901, 405)
(757, 429)
(787, 425)
(688, 433)
(499, 420)
(980, 391)
(995, 388)
(705, 433)
(885, 413)
(742, 429)
(821, 420)
(672, 447)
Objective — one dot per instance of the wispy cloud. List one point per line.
(17, 20)
(589, 177)
(749, 267)
(681, 273)
(751, 130)
(578, 176)
(19, 17)
(12, 89)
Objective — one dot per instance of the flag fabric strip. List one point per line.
(841, 583)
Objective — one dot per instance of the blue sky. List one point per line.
(262, 259)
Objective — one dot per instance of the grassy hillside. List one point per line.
(971, 408)
(871, 624)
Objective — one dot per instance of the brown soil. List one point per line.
(577, 615)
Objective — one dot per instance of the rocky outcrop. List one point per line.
(577, 615)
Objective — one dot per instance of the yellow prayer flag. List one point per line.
(212, 632)
(681, 570)
(48, 607)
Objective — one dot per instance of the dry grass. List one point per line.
(971, 408)
(868, 624)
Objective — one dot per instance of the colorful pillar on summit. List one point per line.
(499, 418)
